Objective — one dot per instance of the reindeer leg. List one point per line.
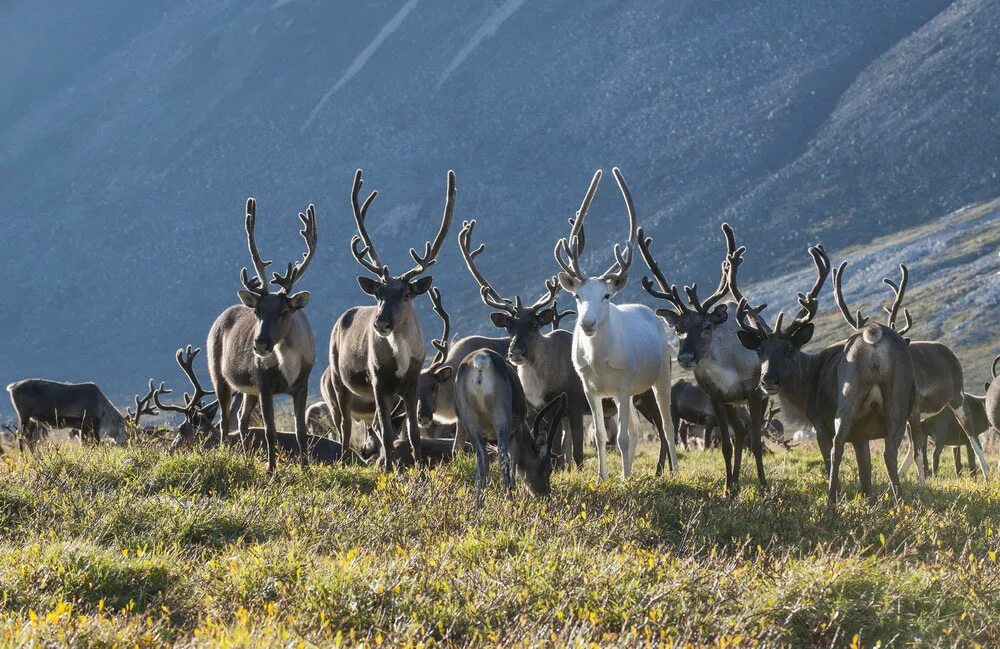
(412, 430)
(864, 456)
(224, 393)
(383, 408)
(757, 403)
(299, 405)
(668, 441)
(938, 448)
(965, 420)
(597, 415)
(725, 440)
(246, 412)
(482, 468)
(576, 428)
(918, 440)
(847, 408)
(460, 438)
(270, 432)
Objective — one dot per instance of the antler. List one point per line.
(142, 406)
(256, 284)
(856, 321)
(487, 293)
(993, 368)
(366, 256)
(560, 315)
(734, 256)
(623, 257)
(559, 405)
(899, 290)
(185, 359)
(666, 291)
(551, 290)
(807, 302)
(440, 344)
(734, 259)
(432, 248)
(572, 247)
(296, 270)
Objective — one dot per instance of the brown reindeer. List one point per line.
(853, 391)
(376, 352)
(265, 345)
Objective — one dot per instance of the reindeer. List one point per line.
(492, 407)
(199, 420)
(853, 391)
(727, 372)
(376, 352)
(265, 345)
(993, 398)
(618, 350)
(946, 431)
(79, 406)
(939, 378)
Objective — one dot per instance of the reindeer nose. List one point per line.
(261, 347)
(685, 359)
(588, 328)
(382, 327)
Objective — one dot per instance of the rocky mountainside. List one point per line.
(131, 134)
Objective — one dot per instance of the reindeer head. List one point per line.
(523, 323)
(593, 293)
(777, 347)
(197, 418)
(438, 372)
(535, 455)
(694, 322)
(274, 311)
(393, 292)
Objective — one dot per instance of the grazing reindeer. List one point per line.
(318, 419)
(945, 429)
(853, 391)
(80, 406)
(939, 378)
(689, 403)
(376, 352)
(727, 372)
(492, 407)
(618, 350)
(265, 345)
(199, 420)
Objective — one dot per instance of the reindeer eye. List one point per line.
(607, 296)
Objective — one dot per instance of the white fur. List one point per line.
(619, 352)
(533, 384)
(401, 350)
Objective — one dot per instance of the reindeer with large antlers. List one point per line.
(199, 419)
(376, 352)
(727, 371)
(939, 378)
(543, 359)
(265, 345)
(852, 391)
(618, 350)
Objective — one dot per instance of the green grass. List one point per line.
(106, 547)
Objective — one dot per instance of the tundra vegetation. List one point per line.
(140, 546)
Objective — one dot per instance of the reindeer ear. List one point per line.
(803, 335)
(422, 285)
(749, 339)
(669, 315)
(249, 298)
(569, 283)
(299, 300)
(368, 285)
(546, 316)
(444, 374)
(499, 319)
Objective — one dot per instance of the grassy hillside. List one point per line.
(139, 547)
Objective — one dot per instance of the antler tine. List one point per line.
(856, 321)
(808, 302)
(259, 283)
(750, 320)
(560, 315)
(666, 291)
(440, 344)
(487, 293)
(551, 290)
(366, 256)
(572, 246)
(185, 358)
(142, 406)
(734, 255)
(731, 266)
(296, 270)
(166, 406)
(432, 248)
(899, 291)
(624, 255)
(993, 368)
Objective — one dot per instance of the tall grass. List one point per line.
(140, 547)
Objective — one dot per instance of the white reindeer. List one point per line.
(618, 350)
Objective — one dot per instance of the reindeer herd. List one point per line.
(615, 364)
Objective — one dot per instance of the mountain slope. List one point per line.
(132, 133)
